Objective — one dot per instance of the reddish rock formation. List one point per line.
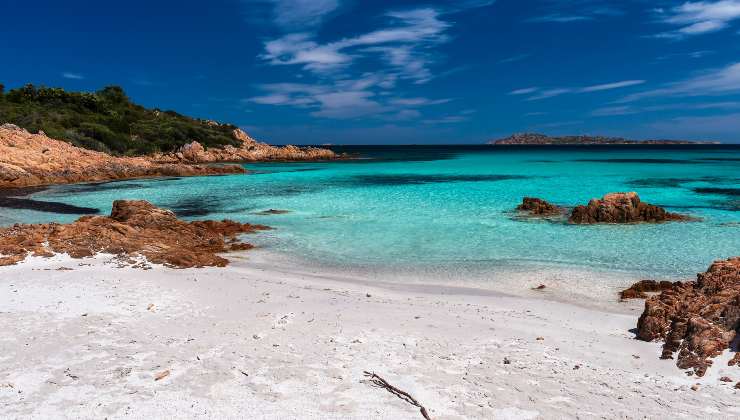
(640, 289)
(250, 150)
(134, 228)
(34, 159)
(698, 319)
(621, 208)
(538, 207)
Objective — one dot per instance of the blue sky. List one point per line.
(344, 71)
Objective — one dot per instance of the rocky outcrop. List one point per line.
(698, 320)
(621, 208)
(34, 159)
(641, 289)
(134, 228)
(538, 207)
(249, 150)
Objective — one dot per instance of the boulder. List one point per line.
(621, 208)
(538, 207)
(697, 320)
(640, 289)
(134, 229)
(192, 152)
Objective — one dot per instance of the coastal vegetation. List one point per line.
(107, 121)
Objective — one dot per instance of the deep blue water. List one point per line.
(450, 207)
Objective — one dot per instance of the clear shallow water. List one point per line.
(449, 209)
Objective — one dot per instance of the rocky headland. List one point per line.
(698, 320)
(248, 150)
(28, 159)
(134, 228)
(622, 208)
(542, 139)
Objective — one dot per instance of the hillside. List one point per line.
(542, 139)
(107, 121)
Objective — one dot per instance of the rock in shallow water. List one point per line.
(640, 289)
(134, 228)
(538, 207)
(698, 319)
(621, 208)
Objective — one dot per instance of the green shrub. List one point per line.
(106, 120)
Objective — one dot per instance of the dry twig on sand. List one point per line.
(382, 383)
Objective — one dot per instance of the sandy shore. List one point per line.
(85, 339)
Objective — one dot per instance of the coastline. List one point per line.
(261, 339)
(32, 160)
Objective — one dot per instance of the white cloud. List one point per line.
(74, 76)
(417, 101)
(680, 106)
(724, 81)
(448, 119)
(514, 59)
(568, 11)
(347, 104)
(549, 93)
(613, 110)
(558, 18)
(540, 94)
(701, 17)
(714, 127)
(345, 99)
(524, 91)
(290, 15)
(402, 49)
(610, 86)
(402, 45)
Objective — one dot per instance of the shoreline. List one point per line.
(566, 284)
(269, 342)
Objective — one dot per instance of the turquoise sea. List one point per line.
(449, 208)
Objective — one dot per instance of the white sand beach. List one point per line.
(86, 339)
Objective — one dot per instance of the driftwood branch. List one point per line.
(382, 383)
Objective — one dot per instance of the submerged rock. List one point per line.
(134, 228)
(538, 207)
(271, 212)
(698, 319)
(621, 208)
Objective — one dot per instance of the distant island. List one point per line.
(542, 139)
